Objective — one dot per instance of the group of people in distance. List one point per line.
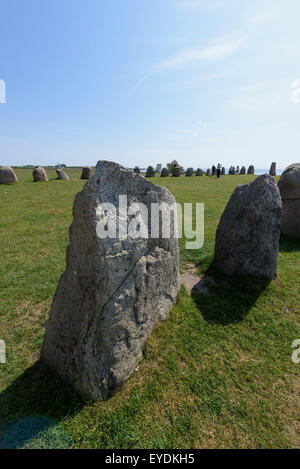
(216, 171)
(233, 170)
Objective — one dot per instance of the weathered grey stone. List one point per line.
(164, 173)
(39, 174)
(7, 175)
(243, 170)
(137, 170)
(289, 186)
(86, 173)
(208, 172)
(150, 172)
(272, 171)
(62, 175)
(189, 172)
(199, 172)
(250, 169)
(176, 171)
(113, 291)
(247, 238)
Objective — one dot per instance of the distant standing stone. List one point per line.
(164, 173)
(62, 175)
(7, 175)
(39, 174)
(247, 238)
(176, 171)
(136, 170)
(250, 169)
(289, 186)
(150, 172)
(208, 172)
(189, 172)
(243, 170)
(199, 172)
(272, 171)
(223, 171)
(114, 290)
(87, 172)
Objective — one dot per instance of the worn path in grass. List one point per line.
(218, 373)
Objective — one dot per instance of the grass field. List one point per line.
(217, 374)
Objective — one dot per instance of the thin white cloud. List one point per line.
(266, 15)
(189, 57)
(136, 86)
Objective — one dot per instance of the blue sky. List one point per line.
(147, 81)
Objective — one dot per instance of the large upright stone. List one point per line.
(164, 173)
(176, 171)
(86, 173)
(250, 169)
(289, 186)
(150, 172)
(189, 172)
(114, 290)
(247, 238)
(243, 170)
(62, 175)
(39, 174)
(272, 171)
(199, 172)
(7, 175)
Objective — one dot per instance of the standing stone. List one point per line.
(289, 186)
(208, 172)
(272, 171)
(39, 174)
(164, 173)
(150, 172)
(243, 170)
(136, 170)
(7, 175)
(189, 172)
(87, 172)
(114, 290)
(250, 169)
(176, 171)
(62, 175)
(247, 238)
(199, 172)
(223, 171)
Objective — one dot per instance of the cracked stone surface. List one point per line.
(113, 291)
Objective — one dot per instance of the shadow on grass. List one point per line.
(35, 397)
(229, 299)
(289, 245)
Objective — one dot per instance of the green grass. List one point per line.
(217, 374)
